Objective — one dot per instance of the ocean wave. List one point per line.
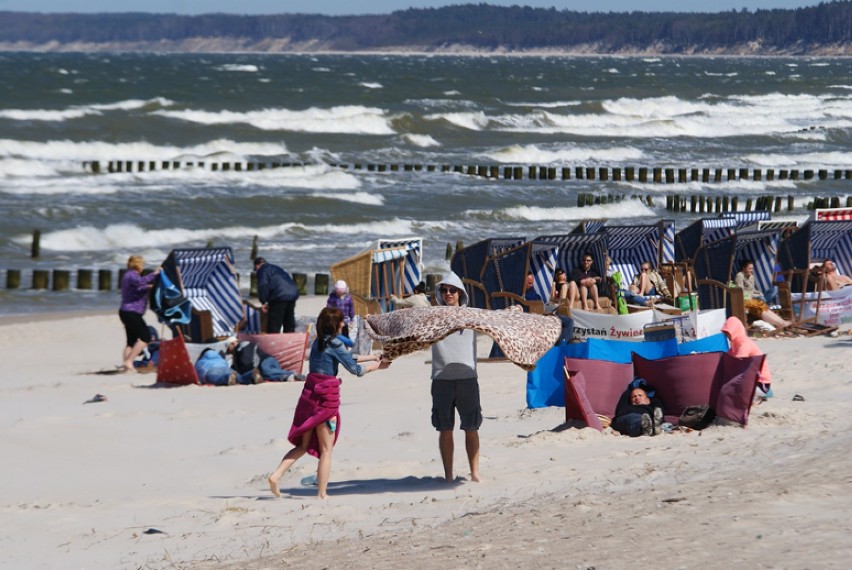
(625, 209)
(128, 237)
(242, 67)
(442, 103)
(814, 160)
(471, 121)
(371, 85)
(356, 198)
(81, 111)
(533, 154)
(105, 151)
(422, 141)
(378, 228)
(46, 115)
(709, 117)
(348, 119)
(543, 104)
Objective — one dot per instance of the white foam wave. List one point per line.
(132, 104)
(543, 104)
(78, 112)
(371, 85)
(442, 103)
(129, 236)
(423, 141)
(241, 67)
(471, 121)
(378, 228)
(356, 198)
(814, 160)
(709, 117)
(351, 119)
(626, 209)
(106, 151)
(45, 114)
(48, 179)
(532, 154)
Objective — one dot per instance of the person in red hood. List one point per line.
(741, 346)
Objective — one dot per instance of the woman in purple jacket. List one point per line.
(134, 302)
(342, 300)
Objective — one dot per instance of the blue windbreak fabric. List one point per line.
(545, 384)
(712, 343)
(169, 303)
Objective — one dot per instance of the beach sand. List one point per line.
(160, 477)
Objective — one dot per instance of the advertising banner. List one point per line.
(692, 325)
(695, 324)
(835, 307)
(611, 327)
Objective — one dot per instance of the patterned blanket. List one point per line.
(523, 337)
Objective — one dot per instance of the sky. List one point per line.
(352, 7)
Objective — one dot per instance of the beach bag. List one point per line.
(696, 417)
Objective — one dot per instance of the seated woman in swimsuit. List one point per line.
(563, 292)
(754, 303)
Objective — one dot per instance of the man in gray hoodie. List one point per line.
(455, 384)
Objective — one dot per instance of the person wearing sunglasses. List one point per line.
(587, 280)
(648, 282)
(455, 384)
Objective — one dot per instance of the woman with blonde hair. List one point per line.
(134, 302)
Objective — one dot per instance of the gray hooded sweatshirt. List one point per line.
(454, 358)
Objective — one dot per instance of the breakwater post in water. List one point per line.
(321, 284)
(659, 175)
(35, 250)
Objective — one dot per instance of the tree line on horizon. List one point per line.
(480, 26)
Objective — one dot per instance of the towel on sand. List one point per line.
(522, 337)
(319, 402)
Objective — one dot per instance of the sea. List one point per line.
(321, 115)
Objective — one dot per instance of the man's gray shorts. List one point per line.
(451, 395)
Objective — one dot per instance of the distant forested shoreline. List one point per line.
(825, 29)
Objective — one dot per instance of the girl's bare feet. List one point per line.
(273, 486)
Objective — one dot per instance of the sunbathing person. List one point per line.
(754, 303)
(563, 291)
(639, 411)
(833, 279)
(648, 282)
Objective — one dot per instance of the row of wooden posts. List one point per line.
(102, 279)
(604, 173)
(700, 204)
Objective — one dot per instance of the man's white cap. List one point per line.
(340, 285)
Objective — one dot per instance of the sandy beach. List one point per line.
(161, 477)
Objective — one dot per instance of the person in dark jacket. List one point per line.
(278, 293)
(639, 411)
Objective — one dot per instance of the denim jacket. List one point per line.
(334, 354)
